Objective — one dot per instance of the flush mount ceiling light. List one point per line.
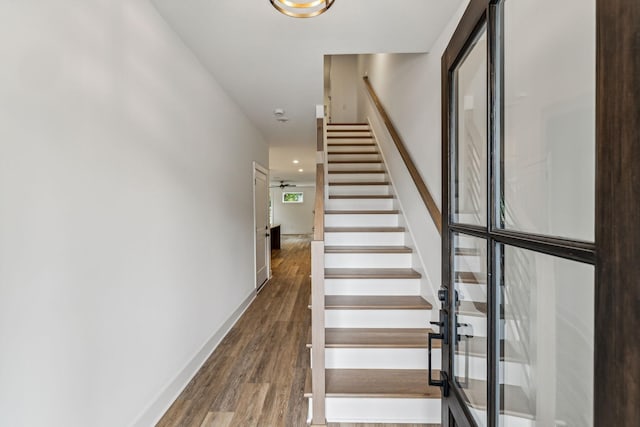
(298, 9)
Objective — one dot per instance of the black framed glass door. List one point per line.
(518, 293)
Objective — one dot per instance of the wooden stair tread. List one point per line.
(472, 308)
(351, 153)
(351, 172)
(364, 229)
(367, 302)
(478, 348)
(349, 136)
(358, 183)
(371, 273)
(349, 130)
(372, 161)
(377, 338)
(517, 401)
(367, 250)
(377, 383)
(347, 124)
(337, 144)
(466, 252)
(373, 212)
(470, 277)
(347, 144)
(361, 196)
(480, 309)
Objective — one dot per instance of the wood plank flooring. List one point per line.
(256, 375)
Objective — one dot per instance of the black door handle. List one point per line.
(444, 378)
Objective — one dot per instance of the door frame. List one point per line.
(472, 21)
(617, 220)
(617, 292)
(258, 167)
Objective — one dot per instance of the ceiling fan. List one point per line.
(282, 185)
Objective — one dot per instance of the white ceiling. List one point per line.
(266, 60)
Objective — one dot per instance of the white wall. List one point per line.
(408, 86)
(344, 88)
(121, 255)
(294, 218)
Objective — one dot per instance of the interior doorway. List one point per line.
(261, 222)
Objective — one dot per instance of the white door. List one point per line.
(261, 212)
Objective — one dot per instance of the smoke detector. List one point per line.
(279, 113)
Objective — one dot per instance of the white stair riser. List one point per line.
(469, 263)
(359, 204)
(357, 177)
(381, 410)
(377, 318)
(357, 147)
(335, 190)
(367, 260)
(477, 324)
(380, 358)
(472, 292)
(337, 126)
(372, 287)
(468, 218)
(364, 239)
(505, 420)
(361, 220)
(352, 157)
(468, 242)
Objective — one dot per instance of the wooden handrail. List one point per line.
(426, 196)
(319, 134)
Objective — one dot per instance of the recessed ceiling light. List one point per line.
(295, 162)
(300, 170)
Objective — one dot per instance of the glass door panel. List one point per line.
(470, 182)
(549, 117)
(519, 348)
(470, 339)
(547, 330)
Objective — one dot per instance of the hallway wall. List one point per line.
(409, 86)
(121, 260)
(344, 88)
(294, 218)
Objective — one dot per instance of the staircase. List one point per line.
(375, 319)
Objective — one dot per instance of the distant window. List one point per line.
(288, 197)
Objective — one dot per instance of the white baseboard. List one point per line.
(152, 414)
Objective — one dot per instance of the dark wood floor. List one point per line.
(256, 375)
